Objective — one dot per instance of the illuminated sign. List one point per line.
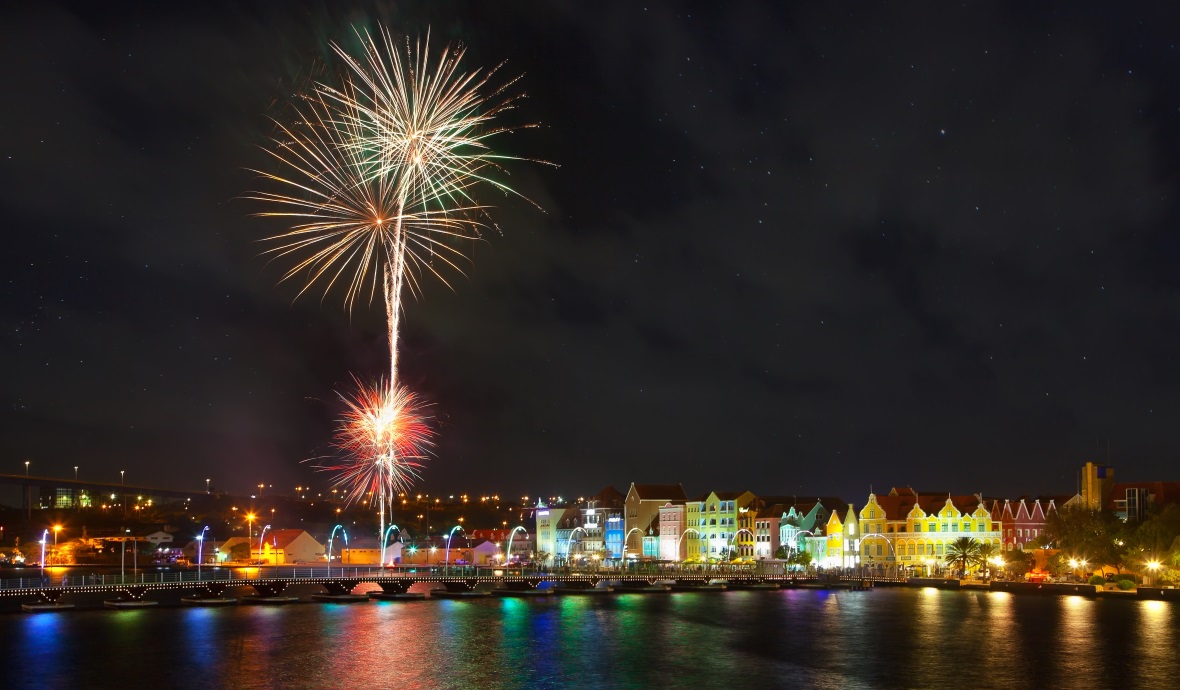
(542, 513)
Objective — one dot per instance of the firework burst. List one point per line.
(384, 436)
(375, 176)
(378, 173)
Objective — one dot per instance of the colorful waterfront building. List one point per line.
(1022, 522)
(840, 541)
(642, 511)
(596, 511)
(718, 523)
(548, 521)
(801, 527)
(673, 529)
(906, 529)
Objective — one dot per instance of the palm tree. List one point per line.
(962, 552)
(985, 555)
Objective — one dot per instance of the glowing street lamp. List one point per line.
(26, 468)
(201, 549)
(1153, 566)
(261, 539)
(332, 537)
(44, 538)
(449, 535)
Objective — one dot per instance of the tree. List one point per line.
(783, 553)
(1087, 534)
(962, 552)
(240, 552)
(801, 559)
(984, 556)
(1019, 562)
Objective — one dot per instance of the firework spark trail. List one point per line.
(376, 176)
(424, 130)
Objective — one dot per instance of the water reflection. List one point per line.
(883, 638)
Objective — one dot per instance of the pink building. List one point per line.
(1021, 523)
(672, 525)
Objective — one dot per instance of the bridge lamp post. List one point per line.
(331, 538)
(261, 541)
(44, 538)
(201, 550)
(449, 535)
(508, 546)
(678, 541)
(385, 539)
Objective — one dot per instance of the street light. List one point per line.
(250, 522)
(26, 468)
(75, 473)
(206, 486)
(56, 529)
(449, 535)
(201, 550)
(121, 472)
(44, 538)
(1153, 566)
(261, 538)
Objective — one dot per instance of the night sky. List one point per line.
(789, 248)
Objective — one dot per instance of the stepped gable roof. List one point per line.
(659, 492)
(933, 501)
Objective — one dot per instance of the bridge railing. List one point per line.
(248, 574)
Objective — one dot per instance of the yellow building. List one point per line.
(908, 530)
(842, 537)
(716, 520)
